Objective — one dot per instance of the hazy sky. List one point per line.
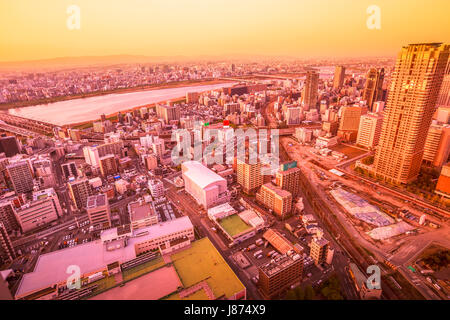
(36, 29)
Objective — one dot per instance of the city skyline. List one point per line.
(38, 30)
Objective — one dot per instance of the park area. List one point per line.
(234, 225)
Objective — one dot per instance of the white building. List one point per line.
(146, 141)
(158, 147)
(205, 186)
(303, 134)
(156, 188)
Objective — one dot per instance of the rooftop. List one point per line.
(279, 264)
(234, 225)
(279, 242)
(92, 256)
(140, 211)
(202, 262)
(52, 267)
(277, 190)
(200, 174)
(225, 207)
(96, 201)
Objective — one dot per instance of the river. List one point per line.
(88, 109)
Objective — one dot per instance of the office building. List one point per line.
(373, 90)
(21, 176)
(8, 216)
(330, 127)
(293, 115)
(437, 146)
(151, 161)
(93, 154)
(38, 213)
(9, 146)
(7, 251)
(303, 135)
(275, 199)
(443, 100)
(192, 97)
(69, 170)
(339, 77)
(349, 122)
(79, 191)
(278, 275)
(156, 187)
(289, 180)
(443, 184)
(319, 249)
(98, 211)
(204, 185)
(142, 214)
(108, 165)
(158, 147)
(168, 113)
(369, 130)
(249, 176)
(409, 109)
(146, 141)
(310, 90)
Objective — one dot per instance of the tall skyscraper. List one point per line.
(339, 75)
(415, 85)
(310, 90)
(373, 90)
(444, 94)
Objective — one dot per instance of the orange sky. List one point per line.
(31, 29)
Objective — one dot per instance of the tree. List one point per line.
(300, 293)
(309, 293)
(290, 295)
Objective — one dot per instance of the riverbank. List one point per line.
(186, 83)
(79, 111)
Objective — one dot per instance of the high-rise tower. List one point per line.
(373, 89)
(411, 102)
(310, 93)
